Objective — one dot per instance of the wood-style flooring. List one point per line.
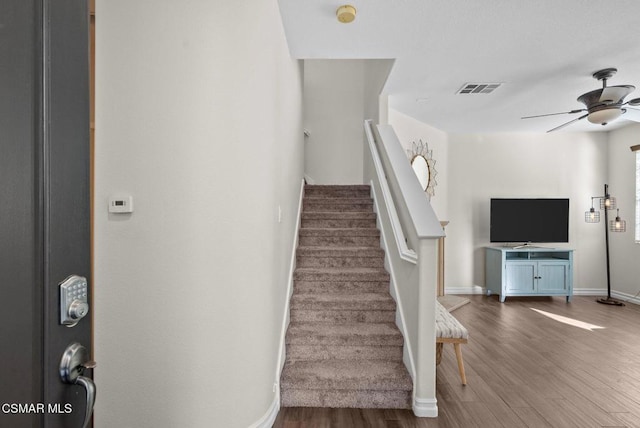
(523, 370)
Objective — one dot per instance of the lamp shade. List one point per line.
(592, 216)
(618, 225)
(608, 203)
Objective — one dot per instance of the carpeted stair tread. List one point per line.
(339, 257)
(356, 270)
(342, 202)
(297, 352)
(336, 301)
(348, 191)
(339, 237)
(372, 375)
(337, 205)
(337, 200)
(341, 274)
(331, 187)
(339, 232)
(336, 262)
(346, 287)
(337, 186)
(354, 334)
(339, 241)
(331, 223)
(341, 316)
(358, 399)
(320, 251)
(319, 215)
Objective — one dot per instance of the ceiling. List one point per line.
(542, 52)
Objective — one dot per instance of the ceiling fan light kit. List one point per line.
(603, 106)
(605, 115)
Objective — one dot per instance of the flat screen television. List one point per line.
(529, 220)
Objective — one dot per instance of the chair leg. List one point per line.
(460, 363)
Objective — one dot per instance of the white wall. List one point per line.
(562, 164)
(625, 253)
(410, 130)
(338, 96)
(334, 114)
(199, 118)
(376, 72)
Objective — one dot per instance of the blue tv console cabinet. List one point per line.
(529, 271)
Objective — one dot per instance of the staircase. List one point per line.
(343, 347)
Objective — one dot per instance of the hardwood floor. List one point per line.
(524, 369)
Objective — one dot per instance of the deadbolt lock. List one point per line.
(74, 302)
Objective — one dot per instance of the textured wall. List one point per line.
(199, 118)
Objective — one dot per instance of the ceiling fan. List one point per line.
(602, 105)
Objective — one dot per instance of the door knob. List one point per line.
(75, 360)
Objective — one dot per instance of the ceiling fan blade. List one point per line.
(568, 123)
(633, 102)
(555, 114)
(632, 114)
(615, 94)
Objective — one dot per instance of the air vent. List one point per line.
(478, 88)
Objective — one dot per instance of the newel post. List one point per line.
(425, 403)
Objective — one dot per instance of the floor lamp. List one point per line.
(607, 202)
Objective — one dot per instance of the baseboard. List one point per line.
(624, 297)
(309, 180)
(589, 291)
(474, 289)
(629, 298)
(275, 406)
(425, 407)
(267, 420)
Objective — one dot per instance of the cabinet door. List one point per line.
(520, 277)
(553, 277)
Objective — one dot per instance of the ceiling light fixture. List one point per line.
(602, 106)
(346, 13)
(605, 115)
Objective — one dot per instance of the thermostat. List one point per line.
(121, 204)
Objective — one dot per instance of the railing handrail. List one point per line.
(405, 252)
(423, 217)
(421, 213)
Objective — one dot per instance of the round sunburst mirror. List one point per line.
(423, 165)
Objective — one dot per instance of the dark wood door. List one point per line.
(44, 205)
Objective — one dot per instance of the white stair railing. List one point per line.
(406, 218)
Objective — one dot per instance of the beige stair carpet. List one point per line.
(343, 347)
